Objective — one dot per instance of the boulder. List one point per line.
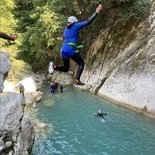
(61, 77)
(16, 130)
(31, 98)
(29, 84)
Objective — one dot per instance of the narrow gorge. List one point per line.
(119, 55)
(122, 63)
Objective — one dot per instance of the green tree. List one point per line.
(8, 25)
(41, 28)
(40, 22)
(7, 21)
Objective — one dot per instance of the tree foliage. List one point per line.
(8, 25)
(39, 23)
(40, 28)
(6, 17)
(7, 21)
(135, 9)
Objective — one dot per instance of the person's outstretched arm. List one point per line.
(7, 37)
(91, 18)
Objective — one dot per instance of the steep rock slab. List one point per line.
(122, 62)
(132, 82)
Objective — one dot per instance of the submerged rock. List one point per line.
(84, 87)
(41, 125)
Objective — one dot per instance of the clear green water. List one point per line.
(74, 130)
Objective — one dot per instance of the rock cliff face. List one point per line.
(16, 130)
(4, 68)
(122, 62)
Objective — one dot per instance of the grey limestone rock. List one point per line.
(16, 130)
(4, 67)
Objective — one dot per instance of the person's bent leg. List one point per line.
(79, 60)
(63, 68)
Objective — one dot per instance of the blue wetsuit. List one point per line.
(52, 88)
(71, 36)
(68, 51)
(61, 88)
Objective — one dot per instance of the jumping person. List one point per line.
(7, 37)
(70, 48)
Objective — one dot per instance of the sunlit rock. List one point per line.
(8, 86)
(31, 98)
(29, 84)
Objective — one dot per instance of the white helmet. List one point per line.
(72, 19)
(99, 111)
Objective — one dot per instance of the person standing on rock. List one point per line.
(52, 88)
(61, 87)
(21, 89)
(70, 47)
(56, 86)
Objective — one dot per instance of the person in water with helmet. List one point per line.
(100, 114)
(70, 48)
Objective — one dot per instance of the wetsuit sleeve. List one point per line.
(91, 18)
(81, 25)
(5, 36)
(87, 22)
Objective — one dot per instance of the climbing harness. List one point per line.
(77, 47)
